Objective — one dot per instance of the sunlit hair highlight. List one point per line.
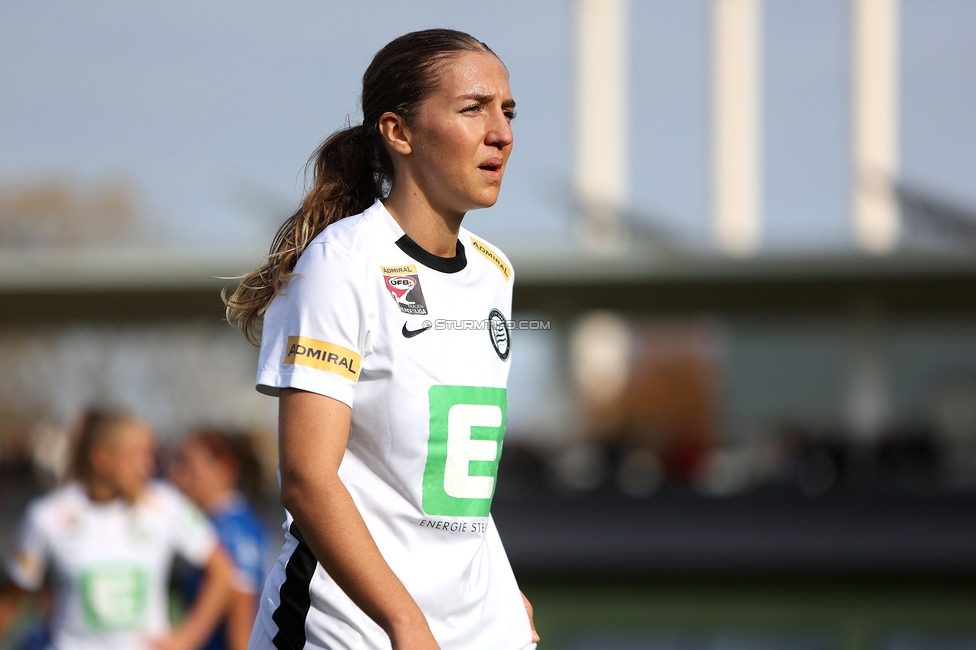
(352, 168)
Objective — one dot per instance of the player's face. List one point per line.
(199, 475)
(126, 461)
(462, 134)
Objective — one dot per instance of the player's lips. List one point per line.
(492, 168)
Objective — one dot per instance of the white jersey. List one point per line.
(109, 563)
(418, 346)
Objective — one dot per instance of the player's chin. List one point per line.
(487, 197)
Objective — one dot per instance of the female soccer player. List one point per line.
(385, 335)
(108, 539)
(209, 468)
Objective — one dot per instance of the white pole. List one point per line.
(601, 127)
(875, 123)
(736, 123)
(868, 400)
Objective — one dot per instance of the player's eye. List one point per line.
(511, 114)
(472, 107)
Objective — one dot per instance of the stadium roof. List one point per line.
(88, 284)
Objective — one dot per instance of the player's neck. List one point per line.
(434, 230)
(219, 500)
(101, 491)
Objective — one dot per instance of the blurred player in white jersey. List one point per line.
(106, 541)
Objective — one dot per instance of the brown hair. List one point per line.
(236, 450)
(97, 427)
(352, 168)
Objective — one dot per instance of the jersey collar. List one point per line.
(391, 228)
(442, 264)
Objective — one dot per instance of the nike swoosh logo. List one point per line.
(412, 333)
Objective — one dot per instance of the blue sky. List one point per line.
(211, 109)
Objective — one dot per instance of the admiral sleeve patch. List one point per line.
(323, 356)
(492, 257)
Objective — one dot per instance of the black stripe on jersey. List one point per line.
(294, 595)
(442, 264)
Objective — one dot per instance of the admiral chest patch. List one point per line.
(403, 284)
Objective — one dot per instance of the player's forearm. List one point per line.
(240, 619)
(338, 537)
(312, 436)
(210, 604)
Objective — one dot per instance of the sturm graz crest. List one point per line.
(501, 338)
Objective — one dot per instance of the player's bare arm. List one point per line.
(313, 432)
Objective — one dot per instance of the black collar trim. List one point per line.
(442, 264)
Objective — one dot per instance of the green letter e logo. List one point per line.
(467, 424)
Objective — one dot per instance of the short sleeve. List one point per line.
(193, 537)
(28, 562)
(314, 334)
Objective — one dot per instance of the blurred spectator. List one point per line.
(213, 469)
(106, 540)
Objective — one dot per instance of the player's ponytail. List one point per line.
(352, 168)
(347, 179)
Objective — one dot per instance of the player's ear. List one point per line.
(395, 133)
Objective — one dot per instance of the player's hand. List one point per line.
(528, 610)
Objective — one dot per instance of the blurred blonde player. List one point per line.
(105, 542)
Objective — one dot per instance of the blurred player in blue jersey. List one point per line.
(212, 469)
